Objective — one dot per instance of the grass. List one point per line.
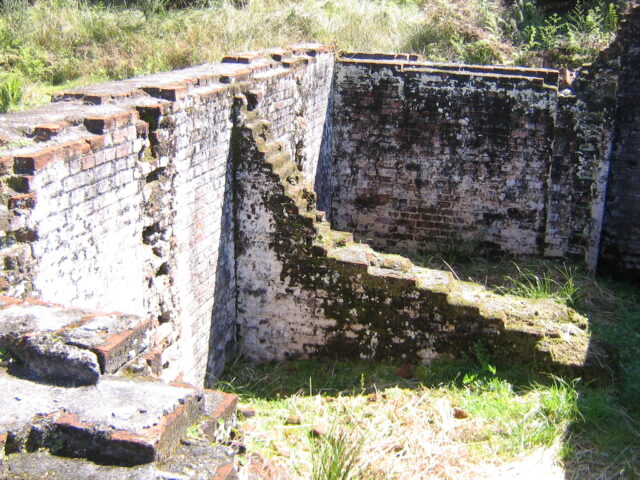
(476, 418)
(334, 456)
(53, 44)
(529, 284)
(11, 91)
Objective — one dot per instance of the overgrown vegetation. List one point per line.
(478, 418)
(48, 45)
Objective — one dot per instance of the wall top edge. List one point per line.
(548, 76)
(95, 109)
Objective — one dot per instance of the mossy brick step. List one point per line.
(557, 336)
(115, 422)
(70, 345)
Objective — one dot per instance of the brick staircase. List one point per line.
(384, 287)
(68, 391)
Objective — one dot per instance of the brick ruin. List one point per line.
(153, 227)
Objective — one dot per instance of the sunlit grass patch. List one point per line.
(559, 285)
(406, 428)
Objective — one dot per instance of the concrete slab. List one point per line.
(69, 345)
(117, 421)
(192, 461)
(115, 339)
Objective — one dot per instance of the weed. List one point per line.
(11, 91)
(529, 284)
(335, 456)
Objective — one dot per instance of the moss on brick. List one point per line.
(383, 306)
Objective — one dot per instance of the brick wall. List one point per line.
(430, 157)
(305, 290)
(152, 196)
(123, 199)
(620, 251)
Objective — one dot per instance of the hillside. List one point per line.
(49, 45)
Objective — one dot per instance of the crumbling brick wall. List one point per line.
(306, 290)
(140, 196)
(124, 201)
(620, 249)
(434, 157)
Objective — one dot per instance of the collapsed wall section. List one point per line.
(307, 290)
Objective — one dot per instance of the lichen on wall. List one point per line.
(307, 290)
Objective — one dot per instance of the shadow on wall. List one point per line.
(323, 183)
(222, 340)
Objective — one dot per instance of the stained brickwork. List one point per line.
(426, 157)
(620, 250)
(306, 290)
(184, 198)
(124, 199)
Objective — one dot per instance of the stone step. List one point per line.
(191, 461)
(333, 238)
(115, 422)
(286, 170)
(273, 148)
(278, 159)
(69, 346)
(297, 194)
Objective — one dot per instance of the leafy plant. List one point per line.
(11, 91)
(549, 33)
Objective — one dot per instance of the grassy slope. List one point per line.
(52, 44)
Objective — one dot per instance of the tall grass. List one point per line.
(527, 283)
(335, 456)
(59, 40)
(55, 42)
(11, 91)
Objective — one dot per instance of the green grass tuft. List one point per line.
(529, 284)
(11, 91)
(335, 456)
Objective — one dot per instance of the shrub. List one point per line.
(11, 91)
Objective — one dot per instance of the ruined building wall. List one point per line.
(306, 290)
(620, 249)
(429, 155)
(482, 160)
(124, 201)
(153, 196)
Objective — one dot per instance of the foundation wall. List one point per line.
(122, 198)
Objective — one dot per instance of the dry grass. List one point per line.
(473, 427)
(480, 419)
(406, 436)
(55, 42)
